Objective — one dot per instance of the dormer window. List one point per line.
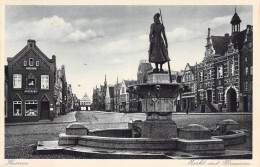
(24, 63)
(31, 62)
(37, 63)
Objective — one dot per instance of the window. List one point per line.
(37, 63)
(123, 90)
(45, 81)
(192, 87)
(24, 63)
(245, 59)
(201, 95)
(17, 108)
(31, 108)
(246, 71)
(232, 69)
(251, 70)
(209, 74)
(201, 76)
(220, 72)
(31, 83)
(17, 81)
(31, 62)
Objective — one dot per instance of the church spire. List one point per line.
(105, 82)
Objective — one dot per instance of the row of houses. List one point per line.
(115, 98)
(35, 88)
(223, 81)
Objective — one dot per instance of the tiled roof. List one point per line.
(220, 43)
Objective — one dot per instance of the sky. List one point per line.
(92, 41)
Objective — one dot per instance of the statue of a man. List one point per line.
(158, 51)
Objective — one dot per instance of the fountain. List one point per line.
(156, 137)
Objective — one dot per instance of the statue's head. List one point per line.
(156, 18)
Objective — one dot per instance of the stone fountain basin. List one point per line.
(158, 90)
(122, 139)
(117, 139)
(118, 143)
(233, 137)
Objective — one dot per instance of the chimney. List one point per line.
(54, 58)
(31, 43)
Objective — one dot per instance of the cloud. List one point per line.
(219, 21)
(117, 61)
(98, 22)
(53, 28)
(182, 34)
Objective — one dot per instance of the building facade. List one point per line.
(85, 103)
(31, 79)
(223, 80)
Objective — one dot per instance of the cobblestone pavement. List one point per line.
(20, 140)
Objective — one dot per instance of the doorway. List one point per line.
(231, 100)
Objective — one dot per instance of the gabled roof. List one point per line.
(220, 43)
(26, 49)
(86, 98)
(192, 68)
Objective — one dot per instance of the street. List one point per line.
(20, 140)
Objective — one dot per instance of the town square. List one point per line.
(128, 82)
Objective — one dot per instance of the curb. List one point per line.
(40, 123)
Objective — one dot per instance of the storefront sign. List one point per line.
(30, 91)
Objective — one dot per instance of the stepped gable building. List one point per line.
(31, 78)
(85, 103)
(224, 77)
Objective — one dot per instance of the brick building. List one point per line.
(223, 80)
(30, 77)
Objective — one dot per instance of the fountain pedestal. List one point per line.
(157, 98)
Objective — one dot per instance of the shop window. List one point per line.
(17, 108)
(17, 81)
(31, 62)
(24, 63)
(37, 63)
(31, 108)
(44, 81)
(31, 83)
